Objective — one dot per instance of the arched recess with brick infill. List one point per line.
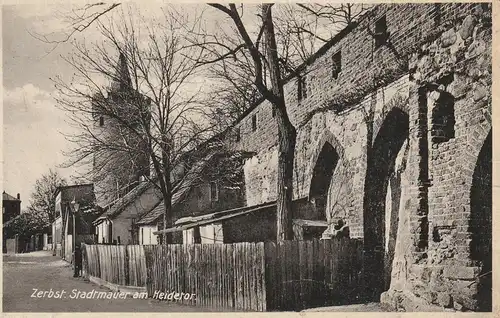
(325, 160)
(480, 224)
(399, 101)
(380, 175)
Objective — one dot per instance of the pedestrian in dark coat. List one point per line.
(78, 261)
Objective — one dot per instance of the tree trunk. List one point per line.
(167, 220)
(167, 193)
(286, 134)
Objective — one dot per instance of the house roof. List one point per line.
(187, 223)
(193, 221)
(8, 197)
(127, 199)
(180, 191)
(310, 223)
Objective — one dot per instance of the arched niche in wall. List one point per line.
(480, 225)
(325, 161)
(380, 176)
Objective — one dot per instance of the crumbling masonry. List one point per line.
(396, 142)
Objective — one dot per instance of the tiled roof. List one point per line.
(127, 199)
(180, 191)
(8, 197)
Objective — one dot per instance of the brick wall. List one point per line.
(435, 71)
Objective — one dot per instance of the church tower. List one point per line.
(119, 166)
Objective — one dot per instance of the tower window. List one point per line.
(381, 33)
(214, 191)
(101, 121)
(273, 111)
(302, 88)
(254, 122)
(238, 134)
(337, 64)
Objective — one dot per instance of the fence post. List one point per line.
(127, 269)
(98, 261)
(148, 256)
(84, 261)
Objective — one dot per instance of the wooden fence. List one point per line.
(243, 276)
(117, 264)
(304, 274)
(220, 275)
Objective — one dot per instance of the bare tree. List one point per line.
(266, 52)
(43, 197)
(153, 105)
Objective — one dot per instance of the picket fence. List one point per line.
(243, 276)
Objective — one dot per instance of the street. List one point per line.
(23, 273)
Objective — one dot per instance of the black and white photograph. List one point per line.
(247, 157)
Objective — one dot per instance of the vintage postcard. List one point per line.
(266, 157)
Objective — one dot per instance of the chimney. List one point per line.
(18, 196)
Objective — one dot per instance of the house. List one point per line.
(116, 225)
(202, 189)
(69, 220)
(11, 207)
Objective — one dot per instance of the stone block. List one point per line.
(448, 38)
(480, 92)
(458, 306)
(458, 88)
(461, 272)
(465, 300)
(444, 299)
(467, 27)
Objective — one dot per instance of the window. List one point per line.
(214, 191)
(101, 121)
(237, 133)
(142, 236)
(337, 64)
(302, 88)
(273, 111)
(381, 33)
(196, 235)
(254, 122)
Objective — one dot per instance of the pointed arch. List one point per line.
(325, 138)
(398, 102)
(324, 162)
(381, 178)
(480, 224)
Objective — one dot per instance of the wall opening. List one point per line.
(481, 222)
(382, 197)
(322, 178)
(443, 118)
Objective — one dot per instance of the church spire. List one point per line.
(121, 80)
